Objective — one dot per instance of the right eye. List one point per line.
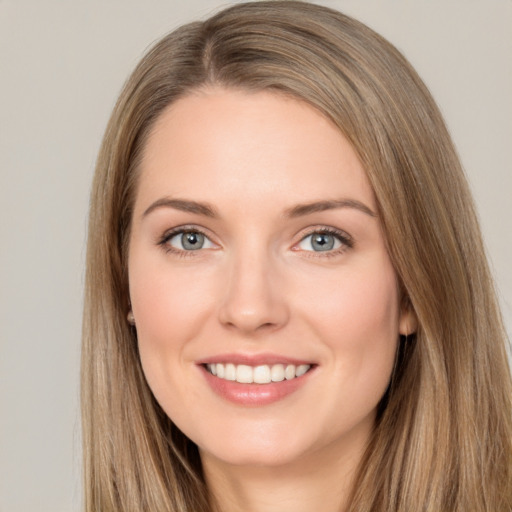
(188, 240)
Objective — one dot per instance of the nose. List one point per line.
(254, 299)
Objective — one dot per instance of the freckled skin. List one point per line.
(258, 286)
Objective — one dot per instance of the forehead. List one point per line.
(223, 144)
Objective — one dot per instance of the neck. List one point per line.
(320, 480)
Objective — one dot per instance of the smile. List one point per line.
(262, 374)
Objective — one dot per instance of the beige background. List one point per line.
(62, 64)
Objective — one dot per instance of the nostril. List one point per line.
(252, 301)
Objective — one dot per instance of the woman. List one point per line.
(288, 304)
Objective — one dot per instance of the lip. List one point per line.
(254, 395)
(254, 359)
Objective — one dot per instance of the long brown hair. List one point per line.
(443, 439)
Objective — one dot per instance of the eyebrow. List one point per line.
(300, 210)
(184, 205)
(321, 206)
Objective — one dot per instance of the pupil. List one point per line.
(323, 242)
(192, 241)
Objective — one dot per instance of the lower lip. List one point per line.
(254, 394)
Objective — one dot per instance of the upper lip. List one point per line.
(253, 359)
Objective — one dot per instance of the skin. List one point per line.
(257, 287)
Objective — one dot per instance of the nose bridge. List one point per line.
(253, 297)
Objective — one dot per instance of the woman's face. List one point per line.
(256, 254)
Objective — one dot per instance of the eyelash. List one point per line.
(347, 242)
(344, 238)
(169, 235)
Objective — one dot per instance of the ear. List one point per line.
(408, 323)
(130, 317)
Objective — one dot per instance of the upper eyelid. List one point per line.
(326, 229)
(169, 233)
(164, 240)
(345, 237)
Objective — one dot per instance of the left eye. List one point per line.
(189, 241)
(320, 242)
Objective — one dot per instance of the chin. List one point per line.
(254, 456)
(263, 445)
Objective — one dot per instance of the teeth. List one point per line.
(230, 372)
(263, 374)
(289, 373)
(302, 369)
(277, 373)
(244, 374)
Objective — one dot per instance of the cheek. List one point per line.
(357, 315)
(168, 303)
(170, 306)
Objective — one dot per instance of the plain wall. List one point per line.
(62, 64)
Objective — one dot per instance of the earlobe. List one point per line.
(130, 318)
(408, 320)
